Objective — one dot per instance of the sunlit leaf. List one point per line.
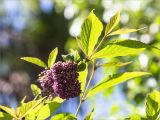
(75, 54)
(22, 101)
(35, 89)
(64, 116)
(122, 31)
(90, 31)
(33, 114)
(112, 23)
(8, 110)
(80, 44)
(35, 61)
(5, 116)
(120, 48)
(114, 80)
(26, 108)
(24, 98)
(30, 116)
(89, 116)
(135, 117)
(72, 56)
(153, 105)
(83, 77)
(49, 108)
(116, 64)
(52, 57)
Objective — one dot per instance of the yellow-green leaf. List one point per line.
(64, 116)
(89, 116)
(83, 77)
(114, 80)
(26, 108)
(112, 23)
(35, 89)
(22, 101)
(153, 105)
(5, 116)
(90, 31)
(49, 108)
(120, 48)
(135, 117)
(35, 61)
(116, 64)
(8, 110)
(75, 54)
(33, 114)
(52, 57)
(122, 31)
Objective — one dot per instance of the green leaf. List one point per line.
(33, 114)
(68, 57)
(122, 31)
(26, 108)
(35, 90)
(5, 116)
(116, 64)
(64, 116)
(22, 101)
(81, 66)
(135, 117)
(112, 23)
(120, 48)
(75, 54)
(114, 80)
(8, 110)
(89, 116)
(72, 56)
(90, 31)
(35, 61)
(83, 77)
(153, 105)
(80, 44)
(49, 108)
(52, 57)
(30, 116)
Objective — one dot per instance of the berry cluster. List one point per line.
(61, 80)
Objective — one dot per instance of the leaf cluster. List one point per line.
(90, 42)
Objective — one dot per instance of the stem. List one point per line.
(78, 108)
(99, 44)
(36, 97)
(85, 91)
(89, 81)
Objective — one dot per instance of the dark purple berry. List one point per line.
(61, 80)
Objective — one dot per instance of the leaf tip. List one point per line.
(56, 48)
(93, 10)
(23, 58)
(118, 12)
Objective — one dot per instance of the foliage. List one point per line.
(89, 116)
(153, 105)
(52, 57)
(114, 80)
(152, 108)
(35, 61)
(89, 43)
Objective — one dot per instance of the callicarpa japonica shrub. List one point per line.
(71, 77)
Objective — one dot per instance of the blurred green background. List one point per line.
(35, 27)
